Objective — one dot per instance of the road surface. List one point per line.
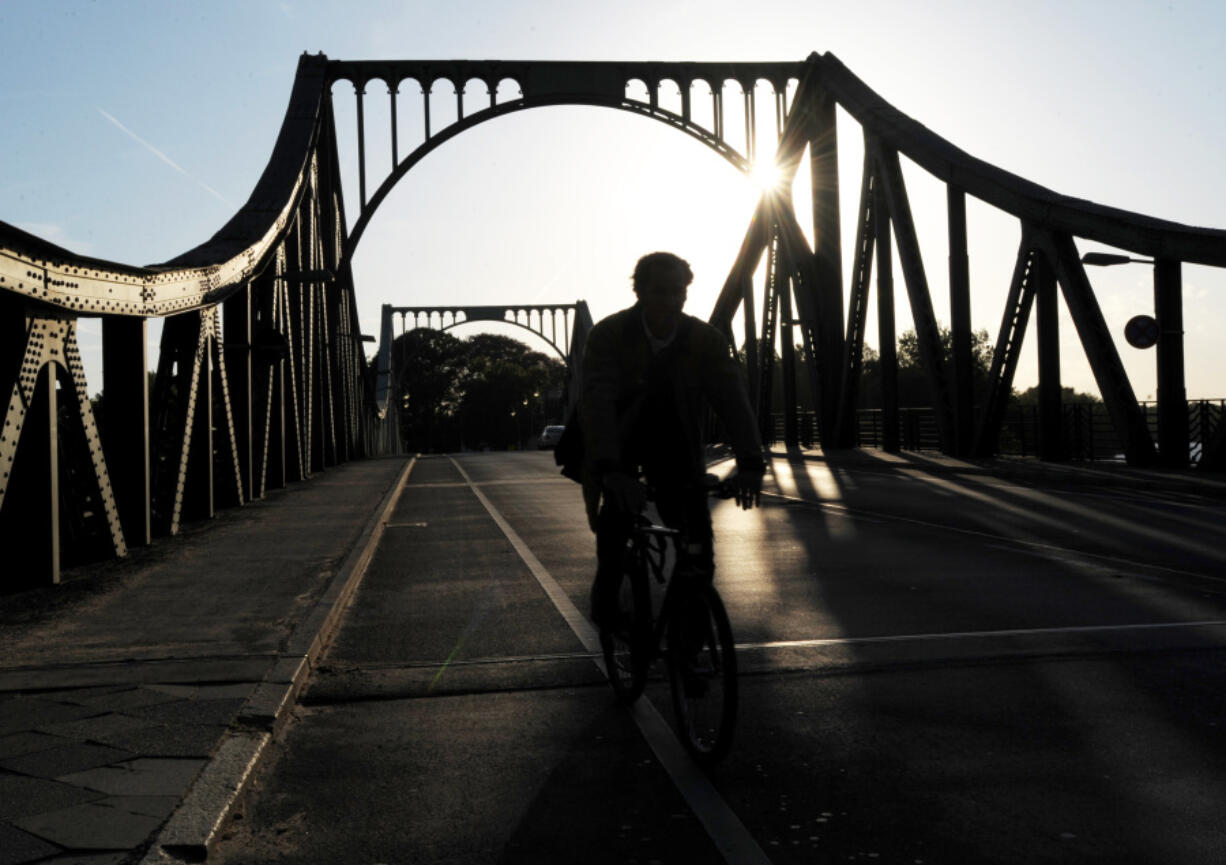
(936, 666)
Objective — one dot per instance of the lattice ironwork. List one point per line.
(262, 378)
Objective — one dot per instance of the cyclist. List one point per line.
(649, 374)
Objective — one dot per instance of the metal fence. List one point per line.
(1086, 429)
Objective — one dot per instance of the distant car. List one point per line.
(549, 438)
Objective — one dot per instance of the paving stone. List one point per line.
(18, 714)
(132, 698)
(150, 806)
(21, 796)
(76, 757)
(145, 776)
(16, 744)
(190, 712)
(102, 825)
(166, 740)
(17, 847)
(239, 691)
(88, 729)
(187, 692)
(80, 696)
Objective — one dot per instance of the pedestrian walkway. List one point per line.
(134, 700)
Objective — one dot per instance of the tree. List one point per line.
(429, 366)
(913, 388)
(486, 391)
(1068, 396)
(504, 391)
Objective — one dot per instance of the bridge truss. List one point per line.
(568, 340)
(261, 378)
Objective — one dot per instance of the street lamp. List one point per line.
(1168, 312)
(1106, 259)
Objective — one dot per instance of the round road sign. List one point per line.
(1141, 331)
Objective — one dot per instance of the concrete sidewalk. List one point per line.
(135, 700)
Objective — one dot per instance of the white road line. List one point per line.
(724, 828)
(859, 513)
(964, 635)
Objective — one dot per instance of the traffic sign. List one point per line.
(1141, 331)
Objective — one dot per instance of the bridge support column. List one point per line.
(1051, 445)
(827, 262)
(886, 333)
(125, 423)
(960, 325)
(236, 314)
(1172, 396)
(36, 553)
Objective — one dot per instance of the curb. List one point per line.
(190, 831)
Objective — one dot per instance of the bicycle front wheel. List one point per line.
(702, 672)
(624, 640)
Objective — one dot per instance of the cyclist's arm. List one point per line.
(602, 386)
(725, 389)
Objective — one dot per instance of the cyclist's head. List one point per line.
(660, 282)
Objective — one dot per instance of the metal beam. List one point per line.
(1047, 320)
(1172, 397)
(1008, 349)
(926, 330)
(125, 389)
(857, 318)
(960, 325)
(1113, 383)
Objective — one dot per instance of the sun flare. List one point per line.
(765, 176)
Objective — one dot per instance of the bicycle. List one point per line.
(691, 632)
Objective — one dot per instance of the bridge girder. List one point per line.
(262, 379)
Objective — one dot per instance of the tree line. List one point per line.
(913, 388)
(484, 392)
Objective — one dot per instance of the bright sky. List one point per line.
(134, 130)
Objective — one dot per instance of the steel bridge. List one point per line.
(261, 378)
(568, 341)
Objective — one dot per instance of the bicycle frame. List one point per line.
(651, 548)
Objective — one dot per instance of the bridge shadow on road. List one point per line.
(950, 667)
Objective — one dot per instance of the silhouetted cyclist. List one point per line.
(650, 373)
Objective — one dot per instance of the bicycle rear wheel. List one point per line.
(624, 642)
(702, 673)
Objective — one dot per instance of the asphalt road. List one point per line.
(937, 666)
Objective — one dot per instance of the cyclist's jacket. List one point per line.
(645, 409)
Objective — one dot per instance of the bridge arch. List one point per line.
(559, 84)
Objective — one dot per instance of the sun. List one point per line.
(765, 176)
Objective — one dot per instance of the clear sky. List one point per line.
(134, 130)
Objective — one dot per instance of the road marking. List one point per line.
(724, 828)
(964, 635)
(859, 513)
(504, 482)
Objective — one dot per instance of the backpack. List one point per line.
(568, 453)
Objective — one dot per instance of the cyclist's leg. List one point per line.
(613, 527)
(683, 506)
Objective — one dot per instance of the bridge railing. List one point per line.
(1086, 431)
(261, 376)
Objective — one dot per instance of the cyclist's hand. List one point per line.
(748, 487)
(624, 492)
